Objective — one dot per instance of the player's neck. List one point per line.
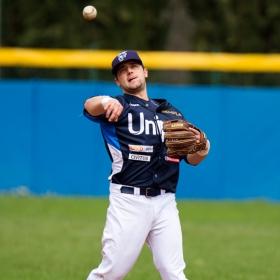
(140, 94)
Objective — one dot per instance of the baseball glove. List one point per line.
(180, 140)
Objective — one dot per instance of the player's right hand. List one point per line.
(112, 109)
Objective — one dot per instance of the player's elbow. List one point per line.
(88, 105)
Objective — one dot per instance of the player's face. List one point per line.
(131, 77)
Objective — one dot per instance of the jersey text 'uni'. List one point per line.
(135, 143)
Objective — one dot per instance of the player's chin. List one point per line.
(132, 83)
(132, 87)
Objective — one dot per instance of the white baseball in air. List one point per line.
(89, 13)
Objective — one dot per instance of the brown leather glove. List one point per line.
(180, 140)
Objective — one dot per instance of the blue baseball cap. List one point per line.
(124, 56)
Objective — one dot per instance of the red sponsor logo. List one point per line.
(167, 158)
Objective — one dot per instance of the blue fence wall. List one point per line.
(47, 145)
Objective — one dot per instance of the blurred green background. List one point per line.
(177, 25)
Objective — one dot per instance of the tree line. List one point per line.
(210, 26)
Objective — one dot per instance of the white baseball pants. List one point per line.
(133, 220)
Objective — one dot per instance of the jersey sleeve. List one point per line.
(101, 118)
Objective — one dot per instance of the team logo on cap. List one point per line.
(122, 56)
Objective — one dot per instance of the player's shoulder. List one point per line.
(121, 99)
(165, 107)
(163, 103)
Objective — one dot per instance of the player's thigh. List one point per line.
(165, 239)
(126, 229)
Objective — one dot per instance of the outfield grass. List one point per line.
(56, 238)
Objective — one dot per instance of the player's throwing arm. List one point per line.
(107, 105)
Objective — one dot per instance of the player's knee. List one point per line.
(115, 274)
(109, 269)
(171, 274)
(169, 271)
(115, 270)
(110, 274)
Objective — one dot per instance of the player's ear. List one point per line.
(116, 81)
(146, 73)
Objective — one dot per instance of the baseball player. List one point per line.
(143, 180)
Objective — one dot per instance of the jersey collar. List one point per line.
(162, 103)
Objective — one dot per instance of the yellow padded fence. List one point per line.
(154, 60)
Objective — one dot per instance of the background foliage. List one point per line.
(185, 25)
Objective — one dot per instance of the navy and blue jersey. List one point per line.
(135, 143)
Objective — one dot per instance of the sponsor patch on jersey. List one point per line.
(139, 157)
(167, 158)
(141, 148)
(172, 113)
(134, 105)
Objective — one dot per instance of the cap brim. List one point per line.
(116, 68)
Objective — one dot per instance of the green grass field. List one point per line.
(58, 238)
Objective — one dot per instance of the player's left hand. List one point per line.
(197, 134)
(183, 138)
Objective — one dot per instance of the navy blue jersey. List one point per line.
(135, 143)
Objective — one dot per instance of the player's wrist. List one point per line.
(104, 100)
(204, 152)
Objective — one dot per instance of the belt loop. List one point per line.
(136, 191)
